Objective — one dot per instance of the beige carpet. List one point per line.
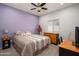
(52, 50)
(8, 52)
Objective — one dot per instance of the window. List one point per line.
(53, 26)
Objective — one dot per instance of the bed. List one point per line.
(28, 44)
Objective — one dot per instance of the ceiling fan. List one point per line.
(39, 6)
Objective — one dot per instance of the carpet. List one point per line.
(52, 50)
(8, 52)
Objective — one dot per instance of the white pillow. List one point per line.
(18, 33)
(28, 33)
(23, 34)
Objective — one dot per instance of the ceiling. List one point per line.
(51, 7)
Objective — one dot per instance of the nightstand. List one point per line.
(6, 41)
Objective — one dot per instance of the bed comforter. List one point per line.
(31, 43)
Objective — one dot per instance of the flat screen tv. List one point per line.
(77, 36)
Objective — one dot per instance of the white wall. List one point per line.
(68, 17)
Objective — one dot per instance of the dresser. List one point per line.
(53, 37)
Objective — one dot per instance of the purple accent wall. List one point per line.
(14, 20)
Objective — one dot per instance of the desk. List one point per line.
(67, 49)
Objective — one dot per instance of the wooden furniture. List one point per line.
(53, 37)
(66, 48)
(5, 41)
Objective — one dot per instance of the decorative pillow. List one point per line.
(28, 33)
(18, 33)
(23, 34)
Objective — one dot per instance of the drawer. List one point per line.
(53, 37)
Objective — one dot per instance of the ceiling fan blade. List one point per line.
(33, 9)
(42, 4)
(44, 8)
(34, 4)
